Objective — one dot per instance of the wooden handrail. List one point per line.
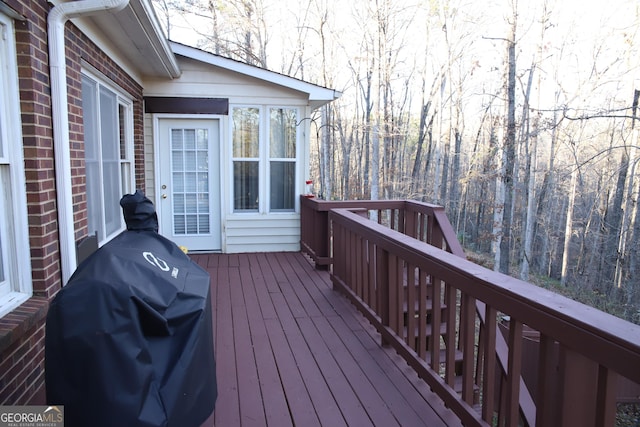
(580, 348)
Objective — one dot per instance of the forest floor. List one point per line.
(628, 414)
(595, 298)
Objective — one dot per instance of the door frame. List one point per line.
(222, 123)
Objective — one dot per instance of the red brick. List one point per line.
(35, 96)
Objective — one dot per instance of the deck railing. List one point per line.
(419, 220)
(466, 330)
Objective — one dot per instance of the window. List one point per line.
(264, 163)
(15, 268)
(246, 159)
(282, 159)
(190, 181)
(108, 119)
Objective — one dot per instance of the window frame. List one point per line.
(14, 228)
(124, 147)
(247, 159)
(264, 159)
(283, 160)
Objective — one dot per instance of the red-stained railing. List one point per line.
(419, 220)
(466, 330)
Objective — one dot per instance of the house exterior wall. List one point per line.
(241, 232)
(22, 330)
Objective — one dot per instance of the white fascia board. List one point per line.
(318, 95)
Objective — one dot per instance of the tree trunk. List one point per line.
(529, 178)
(498, 215)
(613, 221)
(568, 230)
(454, 192)
(509, 152)
(422, 130)
(630, 197)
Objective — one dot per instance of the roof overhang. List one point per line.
(136, 32)
(317, 95)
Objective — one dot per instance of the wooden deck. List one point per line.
(291, 351)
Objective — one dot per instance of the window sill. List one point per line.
(16, 323)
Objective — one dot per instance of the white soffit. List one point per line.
(136, 34)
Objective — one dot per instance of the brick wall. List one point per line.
(22, 331)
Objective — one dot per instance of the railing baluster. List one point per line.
(372, 273)
(337, 248)
(605, 400)
(545, 401)
(451, 299)
(382, 284)
(513, 373)
(467, 331)
(428, 229)
(579, 349)
(411, 307)
(360, 289)
(489, 364)
(351, 249)
(436, 321)
(422, 314)
(392, 296)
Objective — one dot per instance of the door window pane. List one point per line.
(190, 181)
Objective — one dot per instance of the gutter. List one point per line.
(56, 20)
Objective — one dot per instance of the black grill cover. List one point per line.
(129, 340)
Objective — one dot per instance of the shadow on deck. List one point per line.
(291, 351)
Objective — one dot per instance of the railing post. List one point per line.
(576, 388)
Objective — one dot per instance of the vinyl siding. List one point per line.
(241, 232)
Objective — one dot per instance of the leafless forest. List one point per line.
(520, 117)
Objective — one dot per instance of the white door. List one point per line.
(189, 187)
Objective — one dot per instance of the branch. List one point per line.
(601, 116)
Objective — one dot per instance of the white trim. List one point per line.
(122, 99)
(264, 159)
(20, 261)
(114, 33)
(317, 95)
(56, 20)
(95, 74)
(260, 159)
(155, 123)
(296, 160)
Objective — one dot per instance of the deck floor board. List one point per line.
(290, 351)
